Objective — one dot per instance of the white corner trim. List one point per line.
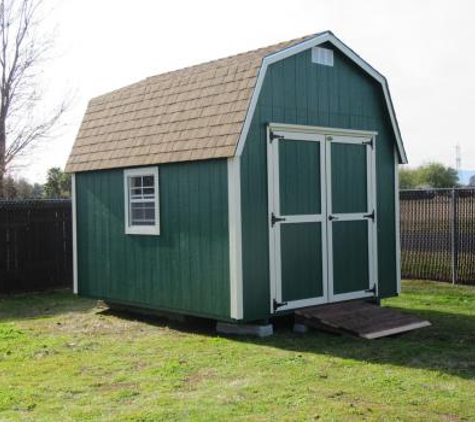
(75, 236)
(397, 210)
(142, 230)
(235, 237)
(313, 42)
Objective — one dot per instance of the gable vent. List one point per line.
(322, 56)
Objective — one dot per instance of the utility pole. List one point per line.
(458, 158)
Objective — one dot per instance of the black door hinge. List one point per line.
(370, 215)
(276, 305)
(273, 136)
(370, 143)
(372, 290)
(274, 219)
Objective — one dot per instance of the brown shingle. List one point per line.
(194, 113)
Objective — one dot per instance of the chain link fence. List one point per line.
(438, 234)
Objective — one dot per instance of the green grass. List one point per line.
(62, 358)
(433, 264)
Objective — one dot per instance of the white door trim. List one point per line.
(275, 263)
(372, 223)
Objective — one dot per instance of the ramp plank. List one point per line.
(359, 318)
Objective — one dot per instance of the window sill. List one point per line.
(145, 230)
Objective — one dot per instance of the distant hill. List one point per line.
(464, 176)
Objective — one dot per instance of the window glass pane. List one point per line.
(136, 181)
(148, 181)
(149, 214)
(149, 191)
(136, 192)
(142, 213)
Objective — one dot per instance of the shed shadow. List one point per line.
(23, 306)
(447, 346)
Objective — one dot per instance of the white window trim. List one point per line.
(143, 230)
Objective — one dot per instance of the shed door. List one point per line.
(351, 217)
(297, 219)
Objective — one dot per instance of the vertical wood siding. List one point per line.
(297, 91)
(185, 268)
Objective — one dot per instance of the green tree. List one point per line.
(431, 175)
(58, 184)
(436, 175)
(408, 179)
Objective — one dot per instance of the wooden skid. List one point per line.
(359, 318)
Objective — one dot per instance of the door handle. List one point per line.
(332, 217)
(274, 219)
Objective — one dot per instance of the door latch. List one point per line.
(332, 217)
(274, 219)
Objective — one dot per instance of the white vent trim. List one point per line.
(323, 56)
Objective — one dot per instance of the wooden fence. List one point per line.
(35, 245)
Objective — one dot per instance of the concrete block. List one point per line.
(300, 328)
(229, 328)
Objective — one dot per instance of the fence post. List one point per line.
(455, 251)
(452, 236)
(456, 236)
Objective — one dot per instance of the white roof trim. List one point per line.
(317, 40)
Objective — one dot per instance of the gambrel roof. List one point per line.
(196, 113)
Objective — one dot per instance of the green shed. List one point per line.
(241, 188)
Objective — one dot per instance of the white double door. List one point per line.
(322, 219)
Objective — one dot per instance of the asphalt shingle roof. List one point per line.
(194, 113)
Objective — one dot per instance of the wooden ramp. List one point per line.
(359, 318)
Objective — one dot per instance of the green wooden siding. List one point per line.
(185, 268)
(301, 250)
(297, 91)
(349, 178)
(299, 177)
(350, 256)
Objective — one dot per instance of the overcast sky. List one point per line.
(424, 48)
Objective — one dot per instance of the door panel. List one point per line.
(350, 256)
(299, 177)
(297, 219)
(349, 178)
(301, 257)
(351, 218)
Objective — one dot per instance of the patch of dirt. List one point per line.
(103, 386)
(197, 377)
(97, 323)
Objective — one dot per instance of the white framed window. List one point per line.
(141, 193)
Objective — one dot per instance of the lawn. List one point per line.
(63, 358)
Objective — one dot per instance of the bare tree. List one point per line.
(25, 45)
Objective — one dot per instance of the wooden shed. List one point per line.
(241, 188)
